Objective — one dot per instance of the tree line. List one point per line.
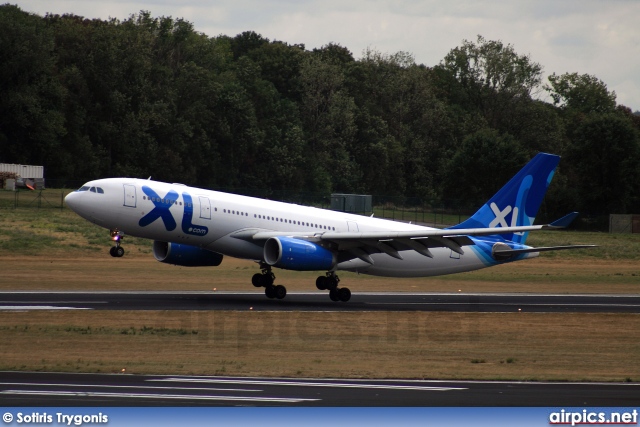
(152, 96)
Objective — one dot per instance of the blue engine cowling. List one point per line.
(185, 255)
(296, 254)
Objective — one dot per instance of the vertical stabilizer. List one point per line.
(518, 202)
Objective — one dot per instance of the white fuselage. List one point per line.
(209, 219)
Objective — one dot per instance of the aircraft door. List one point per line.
(353, 226)
(205, 207)
(129, 195)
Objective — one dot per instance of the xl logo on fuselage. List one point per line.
(161, 209)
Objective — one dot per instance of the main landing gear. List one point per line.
(330, 281)
(116, 251)
(265, 280)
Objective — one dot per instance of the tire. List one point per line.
(280, 291)
(270, 291)
(344, 294)
(321, 283)
(256, 280)
(112, 251)
(119, 251)
(333, 294)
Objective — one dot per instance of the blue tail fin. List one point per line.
(517, 203)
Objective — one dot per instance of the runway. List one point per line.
(61, 389)
(319, 301)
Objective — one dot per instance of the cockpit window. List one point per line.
(98, 190)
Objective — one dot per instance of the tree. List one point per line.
(581, 93)
(489, 76)
(328, 114)
(484, 162)
(604, 160)
(31, 120)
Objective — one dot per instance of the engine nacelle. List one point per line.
(296, 254)
(185, 255)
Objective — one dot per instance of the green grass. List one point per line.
(30, 231)
(40, 199)
(493, 346)
(610, 246)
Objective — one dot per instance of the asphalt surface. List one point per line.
(319, 301)
(61, 389)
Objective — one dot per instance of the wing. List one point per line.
(361, 245)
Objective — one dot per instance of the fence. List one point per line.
(624, 223)
(39, 199)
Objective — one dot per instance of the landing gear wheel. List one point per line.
(270, 291)
(256, 280)
(344, 294)
(280, 291)
(333, 294)
(265, 280)
(116, 251)
(321, 283)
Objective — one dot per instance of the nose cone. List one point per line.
(73, 201)
(80, 203)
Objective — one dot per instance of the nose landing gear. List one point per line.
(116, 251)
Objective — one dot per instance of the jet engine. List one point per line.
(185, 255)
(296, 254)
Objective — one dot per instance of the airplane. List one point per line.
(197, 227)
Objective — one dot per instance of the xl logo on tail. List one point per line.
(501, 216)
(161, 209)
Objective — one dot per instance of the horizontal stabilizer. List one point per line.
(564, 222)
(502, 252)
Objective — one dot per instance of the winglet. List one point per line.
(563, 222)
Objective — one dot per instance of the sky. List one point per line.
(596, 37)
